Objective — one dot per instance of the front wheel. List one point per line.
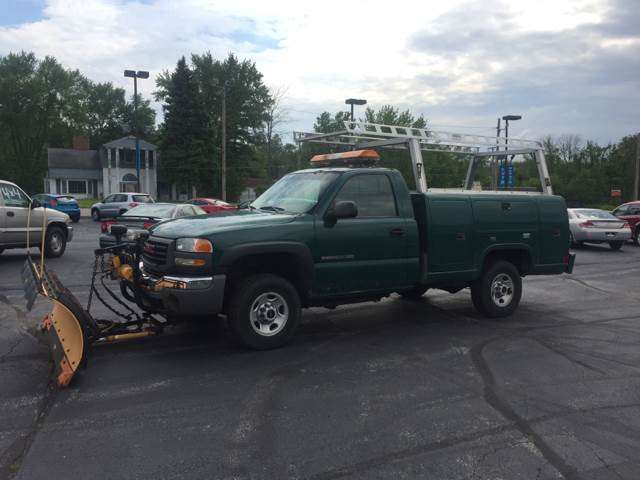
(498, 291)
(95, 215)
(264, 312)
(615, 245)
(55, 242)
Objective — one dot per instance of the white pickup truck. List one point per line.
(16, 208)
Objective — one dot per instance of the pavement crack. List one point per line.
(501, 405)
(11, 459)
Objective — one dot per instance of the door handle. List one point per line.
(506, 206)
(460, 236)
(555, 232)
(396, 232)
(10, 214)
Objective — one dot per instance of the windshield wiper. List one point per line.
(272, 208)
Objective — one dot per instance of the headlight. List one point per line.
(197, 245)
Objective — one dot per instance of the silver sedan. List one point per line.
(590, 225)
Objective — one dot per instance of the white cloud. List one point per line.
(325, 52)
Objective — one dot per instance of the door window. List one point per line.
(120, 198)
(634, 210)
(13, 196)
(372, 194)
(109, 199)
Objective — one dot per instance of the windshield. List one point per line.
(593, 213)
(296, 192)
(151, 210)
(142, 199)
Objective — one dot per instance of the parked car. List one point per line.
(16, 210)
(212, 205)
(118, 203)
(630, 212)
(590, 225)
(62, 203)
(143, 217)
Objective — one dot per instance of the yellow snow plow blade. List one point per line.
(66, 342)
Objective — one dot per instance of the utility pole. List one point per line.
(636, 182)
(223, 167)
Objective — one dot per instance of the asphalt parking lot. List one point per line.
(393, 389)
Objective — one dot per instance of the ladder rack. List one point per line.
(362, 135)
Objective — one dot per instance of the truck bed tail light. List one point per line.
(587, 224)
(565, 259)
(626, 225)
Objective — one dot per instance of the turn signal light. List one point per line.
(190, 262)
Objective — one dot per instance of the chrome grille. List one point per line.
(155, 252)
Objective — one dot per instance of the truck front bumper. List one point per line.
(187, 296)
(69, 233)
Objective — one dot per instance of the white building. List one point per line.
(86, 173)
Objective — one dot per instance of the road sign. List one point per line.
(506, 176)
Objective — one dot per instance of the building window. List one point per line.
(113, 157)
(77, 186)
(151, 152)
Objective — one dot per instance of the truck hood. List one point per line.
(204, 225)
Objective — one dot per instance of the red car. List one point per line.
(211, 205)
(631, 213)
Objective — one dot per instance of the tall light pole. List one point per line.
(354, 101)
(136, 75)
(507, 119)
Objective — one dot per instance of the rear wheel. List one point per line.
(264, 312)
(615, 245)
(498, 291)
(415, 293)
(95, 215)
(55, 242)
(636, 236)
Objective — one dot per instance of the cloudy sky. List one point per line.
(566, 66)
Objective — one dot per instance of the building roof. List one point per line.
(70, 158)
(130, 143)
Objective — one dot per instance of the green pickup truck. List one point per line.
(330, 236)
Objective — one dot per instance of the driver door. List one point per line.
(16, 213)
(365, 253)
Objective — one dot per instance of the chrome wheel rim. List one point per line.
(502, 290)
(55, 242)
(268, 314)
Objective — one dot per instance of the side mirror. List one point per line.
(344, 209)
(35, 203)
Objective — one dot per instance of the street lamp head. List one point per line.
(143, 74)
(512, 117)
(134, 74)
(355, 101)
(130, 73)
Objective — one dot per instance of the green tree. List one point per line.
(186, 153)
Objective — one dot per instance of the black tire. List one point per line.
(615, 245)
(121, 212)
(252, 293)
(55, 242)
(487, 301)
(95, 215)
(636, 236)
(75, 220)
(1, 250)
(572, 241)
(415, 293)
